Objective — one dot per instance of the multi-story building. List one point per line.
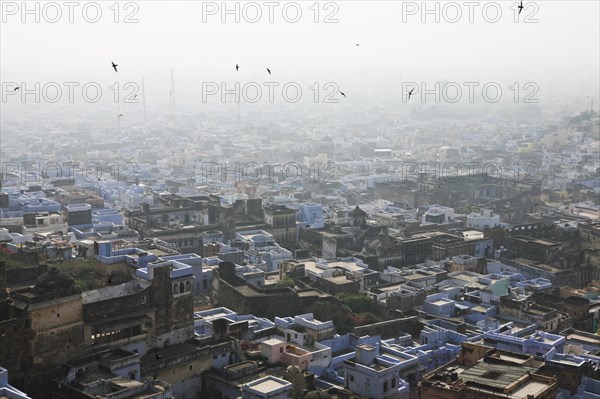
(44, 222)
(479, 373)
(264, 244)
(374, 376)
(282, 223)
(484, 220)
(49, 324)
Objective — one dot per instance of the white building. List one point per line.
(268, 387)
(263, 243)
(486, 219)
(44, 222)
(438, 214)
(8, 391)
(374, 376)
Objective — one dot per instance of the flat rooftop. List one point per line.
(499, 376)
(583, 338)
(267, 385)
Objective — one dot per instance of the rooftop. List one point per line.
(267, 385)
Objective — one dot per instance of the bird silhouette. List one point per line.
(268, 70)
(120, 115)
(357, 45)
(135, 96)
(410, 92)
(114, 66)
(521, 7)
(16, 88)
(237, 67)
(342, 93)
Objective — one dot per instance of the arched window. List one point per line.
(181, 288)
(188, 286)
(175, 289)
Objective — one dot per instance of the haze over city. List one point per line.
(296, 200)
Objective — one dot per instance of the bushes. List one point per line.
(348, 311)
(82, 270)
(359, 303)
(286, 282)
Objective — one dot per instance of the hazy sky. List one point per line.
(563, 46)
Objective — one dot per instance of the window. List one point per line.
(385, 386)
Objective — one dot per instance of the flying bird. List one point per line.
(268, 70)
(521, 7)
(342, 93)
(357, 45)
(135, 96)
(410, 92)
(16, 88)
(120, 115)
(114, 66)
(237, 67)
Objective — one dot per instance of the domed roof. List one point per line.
(292, 368)
(357, 212)
(54, 281)
(373, 245)
(318, 395)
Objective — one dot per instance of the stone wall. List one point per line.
(389, 329)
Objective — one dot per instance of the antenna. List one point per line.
(173, 105)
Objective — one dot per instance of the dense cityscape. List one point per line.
(252, 234)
